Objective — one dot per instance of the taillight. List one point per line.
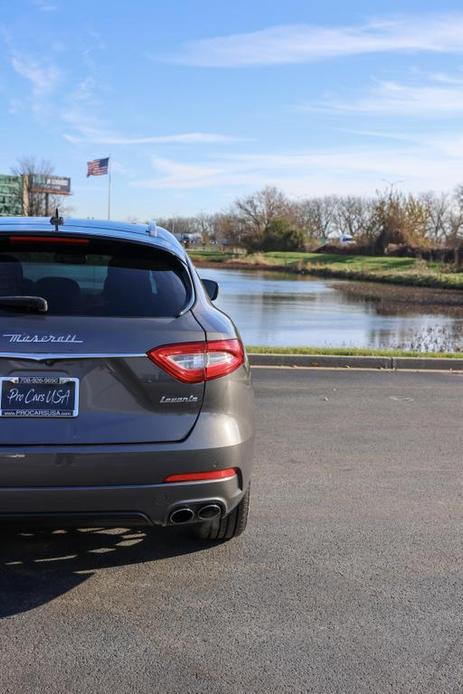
(223, 357)
(194, 362)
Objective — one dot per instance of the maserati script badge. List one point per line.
(24, 337)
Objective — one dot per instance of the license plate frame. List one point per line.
(25, 404)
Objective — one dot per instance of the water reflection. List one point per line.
(278, 309)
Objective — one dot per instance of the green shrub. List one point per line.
(278, 235)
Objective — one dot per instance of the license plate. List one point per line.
(39, 396)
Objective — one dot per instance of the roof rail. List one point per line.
(152, 228)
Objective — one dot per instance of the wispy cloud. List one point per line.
(87, 127)
(92, 46)
(381, 134)
(427, 164)
(439, 96)
(80, 111)
(45, 5)
(173, 174)
(42, 77)
(82, 106)
(301, 43)
(95, 136)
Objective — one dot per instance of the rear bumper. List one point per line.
(115, 485)
(123, 484)
(149, 504)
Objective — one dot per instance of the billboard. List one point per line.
(57, 185)
(11, 197)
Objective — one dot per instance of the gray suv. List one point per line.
(125, 395)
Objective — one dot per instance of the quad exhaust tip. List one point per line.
(185, 514)
(209, 512)
(181, 516)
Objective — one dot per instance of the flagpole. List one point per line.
(109, 187)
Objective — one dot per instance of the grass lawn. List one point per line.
(351, 351)
(406, 271)
(212, 256)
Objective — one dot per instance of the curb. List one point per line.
(356, 362)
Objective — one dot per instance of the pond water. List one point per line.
(278, 309)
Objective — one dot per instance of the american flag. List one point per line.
(97, 167)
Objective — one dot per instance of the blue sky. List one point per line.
(200, 101)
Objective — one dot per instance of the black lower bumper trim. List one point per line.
(113, 519)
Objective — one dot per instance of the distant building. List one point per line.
(11, 196)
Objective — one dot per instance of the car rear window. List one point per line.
(88, 277)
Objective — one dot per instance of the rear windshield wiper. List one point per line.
(33, 304)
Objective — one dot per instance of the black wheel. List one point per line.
(225, 528)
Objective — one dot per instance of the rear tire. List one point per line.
(225, 528)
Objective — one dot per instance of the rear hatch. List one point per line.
(78, 373)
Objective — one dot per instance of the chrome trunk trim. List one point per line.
(20, 356)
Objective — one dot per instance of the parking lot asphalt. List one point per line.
(348, 579)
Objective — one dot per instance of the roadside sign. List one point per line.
(57, 185)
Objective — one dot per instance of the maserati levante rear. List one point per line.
(125, 394)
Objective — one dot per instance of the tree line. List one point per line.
(390, 221)
(387, 221)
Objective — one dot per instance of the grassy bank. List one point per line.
(404, 271)
(351, 352)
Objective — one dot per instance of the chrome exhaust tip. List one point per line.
(209, 512)
(181, 516)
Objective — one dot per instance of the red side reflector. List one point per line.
(50, 239)
(203, 476)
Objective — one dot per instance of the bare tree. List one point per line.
(256, 211)
(317, 216)
(353, 215)
(454, 237)
(227, 229)
(438, 209)
(204, 225)
(177, 225)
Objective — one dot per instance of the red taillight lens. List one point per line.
(194, 362)
(223, 357)
(203, 476)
